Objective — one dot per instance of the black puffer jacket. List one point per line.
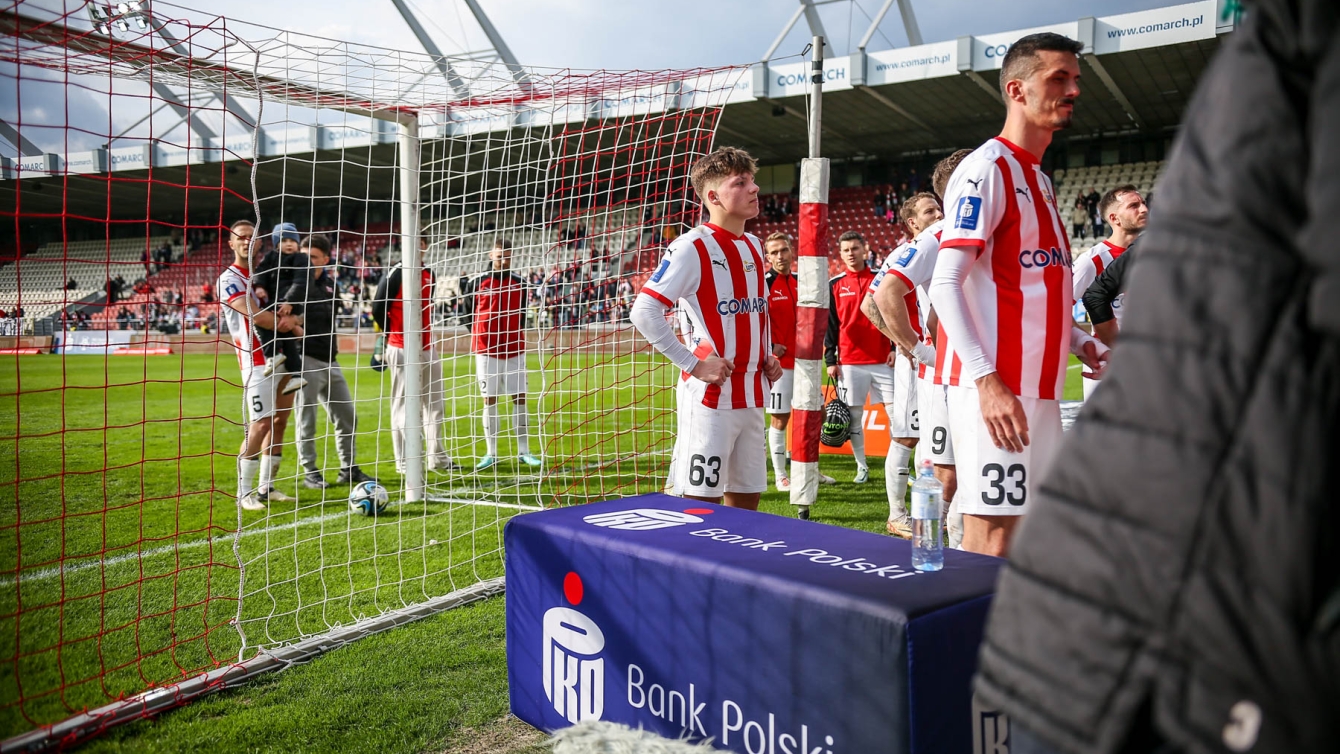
(1181, 569)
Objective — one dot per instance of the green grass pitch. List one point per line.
(118, 569)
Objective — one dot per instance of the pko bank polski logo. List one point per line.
(647, 519)
(574, 671)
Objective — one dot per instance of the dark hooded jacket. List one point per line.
(1181, 569)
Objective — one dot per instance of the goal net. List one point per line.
(130, 578)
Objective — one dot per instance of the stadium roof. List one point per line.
(1139, 71)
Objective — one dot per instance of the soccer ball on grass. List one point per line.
(368, 498)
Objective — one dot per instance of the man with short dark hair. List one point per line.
(1002, 291)
(267, 403)
(325, 379)
(861, 360)
(497, 304)
(1125, 211)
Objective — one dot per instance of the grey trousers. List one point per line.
(432, 405)
(325, 385)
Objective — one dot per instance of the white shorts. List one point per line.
(894, 388)
(995, 482)
(936, 443)
(499, 377)
(719, 450)
(779, 400)
(260, 393)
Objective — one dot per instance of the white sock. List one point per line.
(895, 479)
(246, 475)
(777, 443)
(491, 428)
(269, 467)
(521, 423)
(858, 448)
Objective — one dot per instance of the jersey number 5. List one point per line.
(698, 468)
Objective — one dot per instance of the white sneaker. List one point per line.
(295, 383)
(275, 496)
(250, 503)
(826, 479)
(862, 476)
(273, 363)
(899, 527)
(783, 484)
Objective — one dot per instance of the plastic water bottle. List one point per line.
(928, 552)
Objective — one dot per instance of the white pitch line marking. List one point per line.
(225, 539)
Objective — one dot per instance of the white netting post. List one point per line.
(411, 294)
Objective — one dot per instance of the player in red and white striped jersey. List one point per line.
(1125, 210)
(893, 305)
(1002, 290)
(715, 272)
(268, 402)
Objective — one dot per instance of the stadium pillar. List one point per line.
(411, 292)
(811, 303)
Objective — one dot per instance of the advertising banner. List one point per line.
(90, 341)
(1155, 27)
(912, 63)
(762, 632)
(988, 51)
(793, 79)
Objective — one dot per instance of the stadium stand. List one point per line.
(1072, 184)
(45, 272)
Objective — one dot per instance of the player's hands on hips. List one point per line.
(892, 360)
(285, 310)
(1003, 414)
(712, 369)
(772, 368)
(835, 373)
(1093, 355)
(778, 350)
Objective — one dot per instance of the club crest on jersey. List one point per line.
(660, 271)
(1053, 257)
(733, 306)
(749, 266)
(969, 209)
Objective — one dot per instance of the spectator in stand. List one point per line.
(1091, 201)
(904, 192)
(71, 284)
(914, 181)
(207, 294)
(1079, 218)
(147, 260)
(123, 318)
